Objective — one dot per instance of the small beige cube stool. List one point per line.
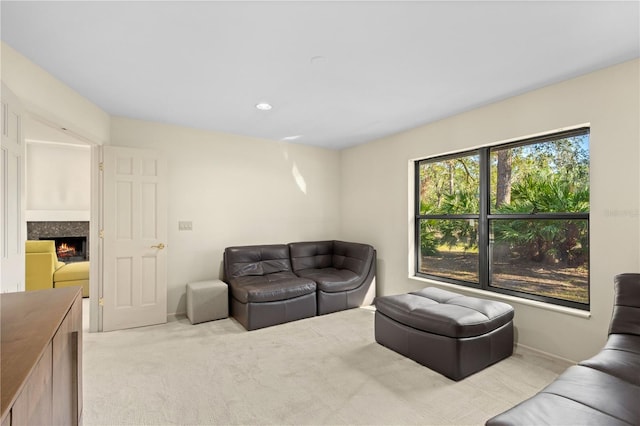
(207, 301)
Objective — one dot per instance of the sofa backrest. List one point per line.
(626, 309)
(256, 260)
(311, 255)
(356, 257)
(40, 246)
(41, 261)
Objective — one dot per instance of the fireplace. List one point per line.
(70, 249)
(59, 231)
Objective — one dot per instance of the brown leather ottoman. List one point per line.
(452, 334)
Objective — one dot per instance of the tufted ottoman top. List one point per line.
(445, 313)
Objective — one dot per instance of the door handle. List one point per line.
(159, 246)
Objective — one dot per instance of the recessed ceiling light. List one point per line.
(263, 106)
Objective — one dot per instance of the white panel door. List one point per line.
(135, 236)
(12, 210)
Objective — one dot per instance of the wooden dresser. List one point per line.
(41, 357)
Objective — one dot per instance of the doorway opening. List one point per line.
(61, 198)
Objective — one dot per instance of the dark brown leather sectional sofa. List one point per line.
(278, 283)
(603, 390)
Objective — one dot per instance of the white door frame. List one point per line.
(95, 220)
(31, 112)
(95, 242)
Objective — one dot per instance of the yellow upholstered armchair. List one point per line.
(41, 262)
(44, 270)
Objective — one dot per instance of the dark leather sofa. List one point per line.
(342, 272)
(278, 283)
(603, 390)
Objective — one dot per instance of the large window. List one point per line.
(512, 218)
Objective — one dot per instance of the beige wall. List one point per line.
(376, 199)
(58, 188)
(236, 191)
(239, 190)
(52, 101)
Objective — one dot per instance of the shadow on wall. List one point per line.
(380, 273)
(221, 269)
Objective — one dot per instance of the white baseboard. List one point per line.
(551, 356)
(176, 316)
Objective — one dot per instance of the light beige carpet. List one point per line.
(322, 370)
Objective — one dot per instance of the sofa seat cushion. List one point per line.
(598, 390)
(581, 395)
(72, 272)
(332, 280)
(621, 364)
(270, 288)
(550, 409)
(445, 313)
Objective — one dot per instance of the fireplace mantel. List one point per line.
(58, 215)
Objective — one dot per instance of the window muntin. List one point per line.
(512, 218)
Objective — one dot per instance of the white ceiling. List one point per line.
(336, 73)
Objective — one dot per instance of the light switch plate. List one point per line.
(185, 226)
